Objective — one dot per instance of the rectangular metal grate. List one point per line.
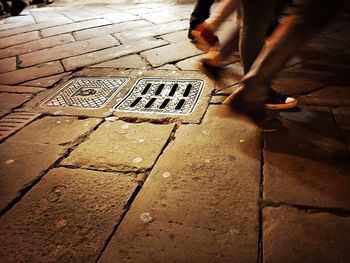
(162, 96)
(87, 93)
(15, 121)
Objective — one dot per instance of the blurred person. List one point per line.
(16, 7)
(249, 99)
(258, 20)
(199, 14)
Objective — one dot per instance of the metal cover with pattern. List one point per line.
(87, 93)
(162, 96)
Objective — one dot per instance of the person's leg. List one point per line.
(257, 16)
(201, 12)
(221, 12)
(279, 48)
(17, 7)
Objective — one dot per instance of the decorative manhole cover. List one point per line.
(87, 93)
(162, 96)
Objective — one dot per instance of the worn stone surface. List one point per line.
(67, 217)
(46, 82)
(307, 162)
(160, 17)
(68, 50)
(48, 130)
(121, 146)
(20, 89)
(35, 27)
(117, 17)
(131, 61)
(35, 72)
(150, 31)
(111, 53)
(19, 169)
(8, 64)
(36, 45)
(73, 27)
(336, 95)
(209, 195)
(299, 82)
(291, 235)
(9, 101)
(175, 37)
(18, 39)
(109, 29)
(170, 53)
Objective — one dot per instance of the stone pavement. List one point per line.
(99, 185)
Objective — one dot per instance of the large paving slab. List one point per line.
(18, 39)
(52, 31)
(336, 95)
(49, 130)
(131, 61)
(118, 17)
(66, 217)
(156, 30)
(46, 82)
(109, 29)
(307, 162)
(36, 45)
(21, 164)
(292, 235)
(121, 146)
(20, 89)
(111, 53)
(200, 202)
(170, 53)
(35, 27)
(8, 64)
(10, 101)
(67, 50)
(35, 72)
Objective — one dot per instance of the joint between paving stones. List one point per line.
(308, 209)
(119, 221)
(260, 257)
(22, 192)
(338, 128)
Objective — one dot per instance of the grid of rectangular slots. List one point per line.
(162, 96)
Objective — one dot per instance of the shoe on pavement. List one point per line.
(204, 38)
(255, 113)
(277, 101)
(17, 7)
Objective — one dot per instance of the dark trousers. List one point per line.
(201, 12)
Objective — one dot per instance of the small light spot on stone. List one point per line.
(141, 140)
(241, 140)
(58, 122)
(146, 217)
(67, 120)
(137, 160)
(206, 132)
(57, 112)
(207, 160)
(111, 119)
(61, 223)
(173, 72)
(9, 161)
(166, 174)
(140, 72)
(125, 126)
